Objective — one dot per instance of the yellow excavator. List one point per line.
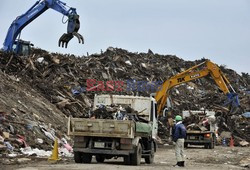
(206, 68)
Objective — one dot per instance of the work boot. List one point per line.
(182, 163)
(177, 165)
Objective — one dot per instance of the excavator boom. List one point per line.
(35, 11)
(196, 72)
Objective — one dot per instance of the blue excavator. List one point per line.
(13, 43)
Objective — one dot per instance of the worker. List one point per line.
(179, 135)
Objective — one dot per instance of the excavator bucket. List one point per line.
(66, 37)
(72, 30)
(64, 40)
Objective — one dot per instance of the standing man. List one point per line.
(179, 136)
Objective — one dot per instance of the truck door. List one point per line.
(153, 119)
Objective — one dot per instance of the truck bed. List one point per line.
(101, 128)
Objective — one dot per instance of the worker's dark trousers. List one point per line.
(179, 150)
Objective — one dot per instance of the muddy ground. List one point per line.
(220, 158)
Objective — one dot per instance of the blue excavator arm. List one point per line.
(35, 11)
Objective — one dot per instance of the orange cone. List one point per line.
(55, 156)
(231, 142)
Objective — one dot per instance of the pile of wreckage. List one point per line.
(69, 83)
(202, 120)
(216, 123)
(115, 112)
(28, 137)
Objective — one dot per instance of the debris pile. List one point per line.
(199, 120)
(115, 112)
(44, 88)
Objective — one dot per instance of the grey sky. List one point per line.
(191, 29)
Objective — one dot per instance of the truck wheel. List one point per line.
(99, 158)
(185, 145)
(86, 158)
(78, 157)
(150, 159)
(126, 160)
(211, 145)
(136, 157)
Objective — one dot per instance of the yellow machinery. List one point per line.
(203, 69)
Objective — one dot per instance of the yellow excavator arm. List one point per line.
(198, 71)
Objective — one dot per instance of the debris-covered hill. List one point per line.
(56, 75)
(24, 113)
(44, 85)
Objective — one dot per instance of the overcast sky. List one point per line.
(191, 29)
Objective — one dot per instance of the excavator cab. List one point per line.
(22, 47)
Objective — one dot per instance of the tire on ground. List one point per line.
(150, 159)
(86, 158)
(206, 146)
(78, 157)
(136, 157)
(99, 158)
(126, 160)
(211, 145)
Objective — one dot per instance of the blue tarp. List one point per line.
(78, 90)
(247, 114)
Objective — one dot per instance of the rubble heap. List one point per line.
(61, 81)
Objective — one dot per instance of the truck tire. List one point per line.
(99, 158)
(211, 145)
(206, 146)
(136, 157)
(86, 158)
(150, 159)
(185, 145)
(78, 157)
(126, 160)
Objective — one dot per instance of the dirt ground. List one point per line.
(197, 158)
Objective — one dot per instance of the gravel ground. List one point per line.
(220, 158)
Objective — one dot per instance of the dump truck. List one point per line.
(203, 132)
(110, 138)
